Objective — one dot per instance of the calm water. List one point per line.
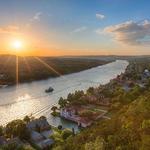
(30, 98)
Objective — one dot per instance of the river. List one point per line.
(30, 98)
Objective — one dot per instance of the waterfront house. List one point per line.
(39, 140)
(40, 123)
(145, 76)
(47, 133)
(68, 113)
(83, 122)
(71, 114)
(74, 113)
(146, 73)
(45, 143)
(36, 137)
(40, 132)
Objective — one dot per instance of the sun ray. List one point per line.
(27, 64)
(17, 70)
(48, 66)
(2, 68)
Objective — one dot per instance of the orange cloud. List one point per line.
(9, 30)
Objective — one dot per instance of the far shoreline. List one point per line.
(77, 68)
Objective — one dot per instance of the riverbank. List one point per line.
(120, 128)
(30, 98)
(39, 68)
(84, 108)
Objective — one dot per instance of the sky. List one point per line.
(75, 27)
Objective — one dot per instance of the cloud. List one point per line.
(81, 29)
(9, 30)
(130, 32)
(37, 16)
(100, 16)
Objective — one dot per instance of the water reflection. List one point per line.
(30, 98)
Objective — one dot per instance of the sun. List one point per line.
(17, 44)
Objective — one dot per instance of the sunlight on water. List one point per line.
(22, 98)
(30, 98)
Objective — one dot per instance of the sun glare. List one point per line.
(17, 44)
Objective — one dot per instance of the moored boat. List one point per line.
(49, 90)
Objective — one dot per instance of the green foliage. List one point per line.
(27, 119)
(54, 108)
(73, 98)
(62, 65)
(128, 129)
(98, 144)
(1, 131)
(16, 147)
(62, 102)
(66, 133)
(60, 136)
(17, 128)
(146, 126)
(90, 90)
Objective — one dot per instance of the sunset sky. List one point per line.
(75, 27)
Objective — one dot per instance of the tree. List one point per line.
(90, 90)
(62, 102)
(42, 118)
(26, 119)
(17, 128)
(54, 108)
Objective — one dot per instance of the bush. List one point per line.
(66, 133)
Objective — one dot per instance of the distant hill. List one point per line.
(33, 68)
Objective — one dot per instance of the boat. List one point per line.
(49, 90)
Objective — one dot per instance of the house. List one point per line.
(41, 123)
(40, 132)
(146, 73)
(74, 113)
(47, 133)
(83, 122)
(36, 137)
(40, 140)
(45, 143)
(70, 114)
